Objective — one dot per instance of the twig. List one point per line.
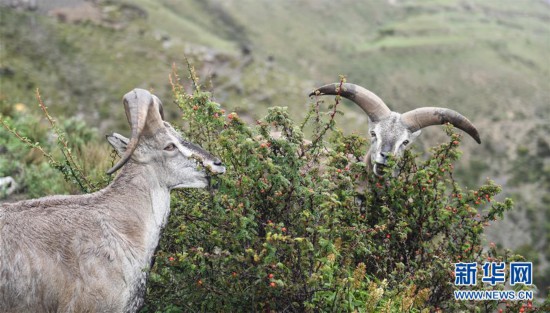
(65, 150)
(321, 133)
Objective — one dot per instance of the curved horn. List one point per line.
(375, 108)
(145, 114)
(155, 117)
(419, 118)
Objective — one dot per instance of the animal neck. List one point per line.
(149, 200)
(147, 207)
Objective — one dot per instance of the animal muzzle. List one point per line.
(379, 168)
(214, 166)
(380, 163)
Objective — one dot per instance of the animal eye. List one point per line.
(406, 142)
(373, 134)
(170, 147)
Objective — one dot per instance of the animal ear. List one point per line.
(415, 134)
(118, 142)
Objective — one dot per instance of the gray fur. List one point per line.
(390, 137)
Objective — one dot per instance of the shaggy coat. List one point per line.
(86, 253)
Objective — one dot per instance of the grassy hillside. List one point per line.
(478, 57)
(486, 59)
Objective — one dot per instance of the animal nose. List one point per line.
(218, 162)
(384, 154)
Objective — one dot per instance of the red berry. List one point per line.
(273, 284)
(283, 229)
(270, 276)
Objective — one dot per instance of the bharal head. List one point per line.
(155, 143)
(391, 132)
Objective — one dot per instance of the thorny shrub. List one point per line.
(299, 226)
(27, 147)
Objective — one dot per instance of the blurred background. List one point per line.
(487, 59)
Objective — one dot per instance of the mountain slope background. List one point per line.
(486, 59)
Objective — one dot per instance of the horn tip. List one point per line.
(117, 166)
(112, 169)
(474, 134)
